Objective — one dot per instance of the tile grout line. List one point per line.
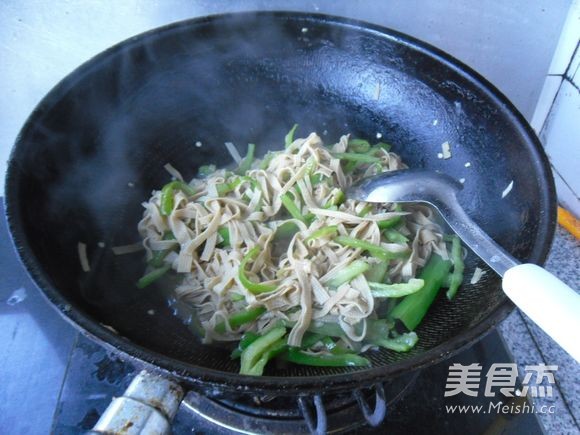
(68, 363)
(566, 404)
(564, 181)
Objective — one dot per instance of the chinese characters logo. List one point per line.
(500, 377)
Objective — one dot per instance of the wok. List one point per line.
(95, 147)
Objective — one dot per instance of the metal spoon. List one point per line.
(549, 302)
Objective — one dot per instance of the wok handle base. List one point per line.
(550, 303)
(146, 407)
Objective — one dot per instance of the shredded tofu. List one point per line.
(173, 172)
(477, 274)
(508, 189)
(110, 328)
(446, 150)
(233, 152)
(377, 91)
(299, 269)
(128, 249)
(84, 260)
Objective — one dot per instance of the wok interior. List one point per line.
(120, 118)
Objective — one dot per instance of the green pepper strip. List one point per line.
(365, 210)
(286, 230)
(323, 232)
(248, 338)
(289, 138)
(159, 256)
(152, 276)
(167, 201)
(413, 308)
(267, 159)
(254, 288)
(402, 343)
(237, 297)
(394, 236)
(317, 179)
(337, 198)
(329, 343)
(292, 208)
(254, 351)
(241, 318)
(224, 188)
(246, 163)
(273, 350)
(377, 329)
(347, 274)
(379, 146)
(380, 290)
(206, 170)
(359, 145)
(225, 235)
(456, 278)
(351, 166)
(377, 272)
(339, 360)
(326, 329)
(310, 339)
(354, 157)
(392, 222)
(375, 250)
(389, 223)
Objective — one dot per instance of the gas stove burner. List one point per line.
(333, 413)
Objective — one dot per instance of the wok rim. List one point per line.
(201, 376)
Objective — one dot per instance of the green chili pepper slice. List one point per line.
(255, 288)
(289, 138)
(152, 276)
(241, 318)
(354, 157)
(375, 250)
(413, 308)
(296, 356)
(159, 256)
(167, 199)
(402, 343)
(323, 232)
(246, 163)
(359, 145)
(380, 290)
(248, 338)
(347, 274)
(254, 351)
(456, 277)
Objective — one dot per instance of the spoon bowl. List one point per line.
(549, 302)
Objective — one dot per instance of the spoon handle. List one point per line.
(550, 303)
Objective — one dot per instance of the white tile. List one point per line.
(561, 135)
(567, 199)
(575, 69)
(549, 91)
(568, 40)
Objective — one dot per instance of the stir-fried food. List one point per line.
(273, 255)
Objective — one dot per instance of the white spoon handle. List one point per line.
(550, 303)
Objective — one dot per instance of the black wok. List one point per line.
(115, 121)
